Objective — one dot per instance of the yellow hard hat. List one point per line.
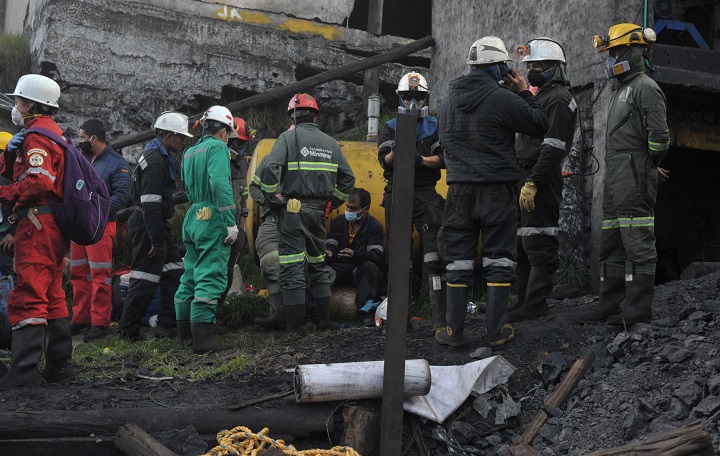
(624, 35)
(4, 139)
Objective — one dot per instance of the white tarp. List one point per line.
(452, 385)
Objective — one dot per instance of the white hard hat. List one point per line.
(541, 49)
(219, 114)
(488, 49)
(412, 82)
(36, 87)
(174, 122)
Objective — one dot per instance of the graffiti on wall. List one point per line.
(300, 26)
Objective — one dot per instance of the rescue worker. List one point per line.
(636, 141)
(540, 160)
(90, 265)
(209, 229)
(315, 178)
(354, 249)
(478, 122)
(239, 145)
(428, 205)
(156, 258)
(37, 310)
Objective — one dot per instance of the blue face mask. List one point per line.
(353, 216)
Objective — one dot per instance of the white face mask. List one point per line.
(17, 118)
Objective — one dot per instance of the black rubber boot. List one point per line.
(27, 348)
(452, 333)
(637, 307)
(58, 351)
(295, 319)
(539, 287)
(437, 303)
(203, 338)
(612, 292)
(276, 320)
(323, 310)
(184, 332)
(498, 331)
(522, 277)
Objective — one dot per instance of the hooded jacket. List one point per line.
(478, 122)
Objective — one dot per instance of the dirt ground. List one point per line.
(272, 373)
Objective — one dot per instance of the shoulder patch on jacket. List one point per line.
(36, 151)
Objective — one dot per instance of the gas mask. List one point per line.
(414, 106)
(615, 68)
(17, 118)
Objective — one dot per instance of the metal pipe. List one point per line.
(373, 117)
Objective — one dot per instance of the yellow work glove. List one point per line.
(293, 206)
(527, 196)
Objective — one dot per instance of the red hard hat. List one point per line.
(241, 128)
(302, 100)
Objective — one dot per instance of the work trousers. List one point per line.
(301, 245)
(427, 218)
(266, 246)
(38, 295)
(537, 241)
(237, 246)
(206, 259)
(627, 239)
(146, 274)
(90, 268)
(364, 276)
(471, 209)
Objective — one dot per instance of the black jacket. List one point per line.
(478, 122)
(367, 244)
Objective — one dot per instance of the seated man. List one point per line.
(354, 249)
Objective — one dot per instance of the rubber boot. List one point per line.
(203, 338)
(276, 320)
(498, 331)
(184, 332)
(27, 349)
(538, 289)
(323, 310)
(452, 333)
(612, 292)
(637, 306)
(295, 319)
(58, 351)
(522, 277)
(437, 302)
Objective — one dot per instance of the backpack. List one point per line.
(83, 212)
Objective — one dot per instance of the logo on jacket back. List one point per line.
(313, 152)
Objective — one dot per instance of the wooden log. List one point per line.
(524, 450)
(558, 397)
(287, 91)
(296, 421)
(133, 441)
(362, 380)
(86, 446)
(361, 430)
(689, 440)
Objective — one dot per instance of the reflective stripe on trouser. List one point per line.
(538, 229)
(147, 273)
(301, 242)
(90, 268)
(427, 218)
(38, 295)
(206, 259)
(469, 210)
(627, 238)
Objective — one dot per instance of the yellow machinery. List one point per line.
(363, 160)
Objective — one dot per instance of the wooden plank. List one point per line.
(305, 84)
(689, 440)
(371, 78)
(293, 420)
(399, 285)
(558, 397)
(133, 441)
(524, 450)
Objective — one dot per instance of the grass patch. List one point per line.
(15, 56)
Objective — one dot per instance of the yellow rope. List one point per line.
(241, 441)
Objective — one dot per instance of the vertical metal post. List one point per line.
(399, 285)
(373, 117)
(371, 77)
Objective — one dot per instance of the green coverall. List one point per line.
(206, 173)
